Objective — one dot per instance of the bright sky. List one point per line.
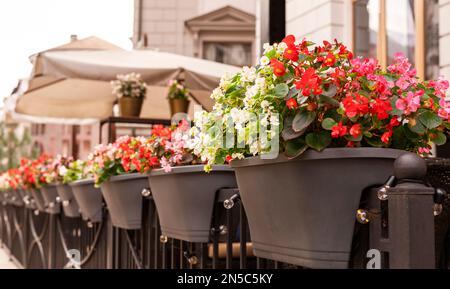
(30, 26)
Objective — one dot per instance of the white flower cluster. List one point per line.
(129, 85)
(243, 120)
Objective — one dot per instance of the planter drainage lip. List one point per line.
(124, 177)
(82, 182)
(190, 169)
(188, 235)
(329, 260)
(330, 153)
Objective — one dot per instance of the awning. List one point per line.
(70, 84)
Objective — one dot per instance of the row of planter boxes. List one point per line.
(299, 211)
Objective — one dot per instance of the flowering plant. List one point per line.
(129, 85)
(177, 90)
(76, 170)
(319, 97)
(11, 179)
(37, 173)
(164, 148)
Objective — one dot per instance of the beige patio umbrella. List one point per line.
(71, 84)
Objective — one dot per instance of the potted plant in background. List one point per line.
(78, 174)
(131, 91)
(342, 120)
(118, 170)
(178, 97)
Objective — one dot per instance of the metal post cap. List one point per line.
(410, 166)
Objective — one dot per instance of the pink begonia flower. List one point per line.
(424, 150)
(440, 86)
(403, 83)
(165, 165)
(408, 104)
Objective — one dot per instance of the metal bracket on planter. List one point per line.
(383, 191)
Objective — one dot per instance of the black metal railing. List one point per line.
(40, 240)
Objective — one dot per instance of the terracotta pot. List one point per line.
(185, 198)
(123, 198)
(69, 204)
(178, 106)
(130, 106)
(89, 199)
(50, 195)
(302, 211)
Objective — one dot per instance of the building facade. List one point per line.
(233, 31)
(66, 140)
(218, 30)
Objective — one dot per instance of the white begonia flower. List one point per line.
(260, 82)
(267, 47)
(265, 104)
(281, 47)
(252, 91)
(248, 74)
(217, 93)
(62, 171)
(264, 61)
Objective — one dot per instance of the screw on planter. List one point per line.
(90, 224)
(229, 203)
(365, 216)
(223, 230)
(163, 239)
(66, 203)
(439, 197)
(58, 199)
(191, 258)
(146, 193)
(36, 212)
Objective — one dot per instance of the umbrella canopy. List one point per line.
(71, 83)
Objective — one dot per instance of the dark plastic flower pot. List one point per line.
(16, 198)
(38, 199)
(302, 211)
(123, 198)
(50, 196)
(89, 199)
(185, 197)
(69, 204)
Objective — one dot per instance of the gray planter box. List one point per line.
(185, 198)
(302, 211)
(49, 195)
(123, 198)
(38, 199)
(69, 204)
(89, 199)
